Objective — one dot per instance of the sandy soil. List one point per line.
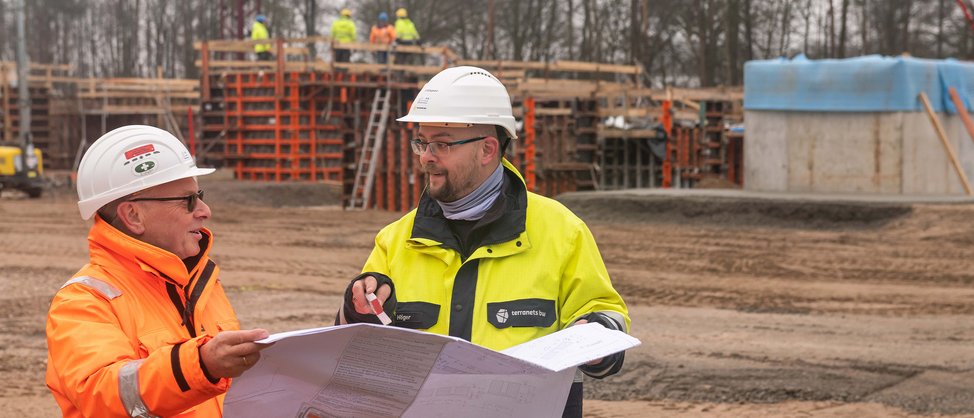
(744, 309)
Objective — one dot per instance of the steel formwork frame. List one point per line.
(281, 137)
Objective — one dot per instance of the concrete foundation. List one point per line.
(849, 152)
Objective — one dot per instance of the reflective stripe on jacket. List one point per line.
(406, 30)
(384, 35)
(343, 30)
(117, 343)
(536, 271)
(259, 31)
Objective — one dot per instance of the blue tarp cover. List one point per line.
(863, 84)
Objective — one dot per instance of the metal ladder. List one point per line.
(371, 146)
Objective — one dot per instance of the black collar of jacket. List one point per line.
(506, 217)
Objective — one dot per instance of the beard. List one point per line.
(445, 192)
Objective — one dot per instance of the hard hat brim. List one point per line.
(508, 125)
(89, 206)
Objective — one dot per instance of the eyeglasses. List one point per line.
(439, 148)
(191, 200)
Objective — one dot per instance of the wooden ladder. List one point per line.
(375, 134)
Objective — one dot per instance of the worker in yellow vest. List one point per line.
(343, 31)
(406, 34)
(257, 32)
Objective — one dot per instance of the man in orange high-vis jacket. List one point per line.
(145, 328)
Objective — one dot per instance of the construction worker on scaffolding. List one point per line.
(258, 32)
(343, 31)
(481, 257)
(406, 34)
(382, 34)
(145, 328)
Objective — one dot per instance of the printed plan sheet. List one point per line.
(366, 370)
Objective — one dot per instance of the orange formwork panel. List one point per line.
(278, 138)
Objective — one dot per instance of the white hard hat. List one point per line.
(130, 159)
(463, 95)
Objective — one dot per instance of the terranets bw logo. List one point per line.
(503, 314)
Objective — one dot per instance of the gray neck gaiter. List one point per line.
(474, 206)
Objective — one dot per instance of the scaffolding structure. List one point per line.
(586, 126)
(40, 102)
(68, 113)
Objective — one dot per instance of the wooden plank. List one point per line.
(153, 81)
(560, 65)
(962, 112)
(568, 166)
(239, 64)
(136, 95)
(519, 65)
(540, 111)
(248, 46)
(594, 67)
(626, 133)
(638, 112)
(725, 94)
(943, 140)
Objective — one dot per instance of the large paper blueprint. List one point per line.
(365, 370)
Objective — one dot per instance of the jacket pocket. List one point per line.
(153, 340)
(417, 315)
(522, 313)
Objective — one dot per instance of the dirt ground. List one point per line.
(744, 308)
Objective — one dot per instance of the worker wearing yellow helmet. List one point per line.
(343, 31)
(406, 34)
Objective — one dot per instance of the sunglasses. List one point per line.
(191, 200)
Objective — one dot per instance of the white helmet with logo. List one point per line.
(127, 160)
(463, 95)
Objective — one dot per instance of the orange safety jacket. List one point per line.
(123, 335)
(384, 35)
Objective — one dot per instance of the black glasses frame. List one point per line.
(191, 199)
(419, 147)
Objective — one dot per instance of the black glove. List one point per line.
(353, 317)
(611, 364)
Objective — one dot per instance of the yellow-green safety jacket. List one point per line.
(535, 272)
(406, 30)
(343, 30)
(257, 32)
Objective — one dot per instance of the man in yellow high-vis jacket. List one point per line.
(259, 32)
(343, 31)
(482, 258)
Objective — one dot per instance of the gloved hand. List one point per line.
(609, 365)
(355, 308)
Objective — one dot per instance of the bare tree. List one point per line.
(842, 31)
(698, 42)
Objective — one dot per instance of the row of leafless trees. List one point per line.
(679, 42)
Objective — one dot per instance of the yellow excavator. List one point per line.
(15, 173)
